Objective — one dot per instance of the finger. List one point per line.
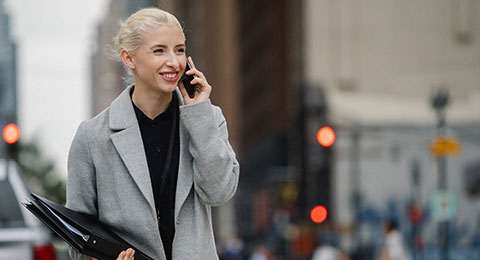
(129, 255)
(190, 60)
(198, 81)
(121, 256)
(194, 70)
(199, 74)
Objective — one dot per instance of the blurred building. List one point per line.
(8, 73)
(380, 62)
(394, 54)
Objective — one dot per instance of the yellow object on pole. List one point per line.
(444, 146)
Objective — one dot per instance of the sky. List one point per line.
(54, 45)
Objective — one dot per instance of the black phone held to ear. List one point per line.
(186, 82)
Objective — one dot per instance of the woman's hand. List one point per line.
(203, 89)
(124, 255)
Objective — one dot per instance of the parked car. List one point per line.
(22, 235)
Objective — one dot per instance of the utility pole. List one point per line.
(355, 193)
(439, 102)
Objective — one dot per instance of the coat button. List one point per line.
(178, 221)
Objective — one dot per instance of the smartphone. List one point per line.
(186, 82)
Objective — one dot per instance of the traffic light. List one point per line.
(11, 135)
(318, 214)
(326, 136)
(316, 141)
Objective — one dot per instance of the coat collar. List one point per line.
(122, 114)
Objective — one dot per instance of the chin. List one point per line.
(168, 89)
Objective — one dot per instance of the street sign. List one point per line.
(443, 205)
(443, 146)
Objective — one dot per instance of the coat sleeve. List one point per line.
(216, 170)
(81, 188)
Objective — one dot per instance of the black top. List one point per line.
(162, 149)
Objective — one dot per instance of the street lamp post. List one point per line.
(439, 102)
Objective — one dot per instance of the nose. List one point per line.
(172, 60)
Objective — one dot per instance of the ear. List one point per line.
(127, 59)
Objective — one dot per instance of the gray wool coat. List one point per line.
(108, 176)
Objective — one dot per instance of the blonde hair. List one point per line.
(130, 35)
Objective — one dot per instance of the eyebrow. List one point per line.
(165, 46)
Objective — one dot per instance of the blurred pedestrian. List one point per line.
(233, 250)
(153, 164)
(328, 248)
(262, 253)
(395, 248)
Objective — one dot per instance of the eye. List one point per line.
(158, 51)
(181, 50)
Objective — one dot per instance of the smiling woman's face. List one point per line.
(160, 60)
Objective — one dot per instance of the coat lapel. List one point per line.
(185, 174)
(127, 140)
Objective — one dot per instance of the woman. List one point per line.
(152, 164)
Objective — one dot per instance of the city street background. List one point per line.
(396, 83)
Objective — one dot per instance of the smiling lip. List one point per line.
(170, 76)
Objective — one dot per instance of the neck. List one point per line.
(152, 103)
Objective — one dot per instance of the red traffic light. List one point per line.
(326, 136)
(11, 133)
(318, 214)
